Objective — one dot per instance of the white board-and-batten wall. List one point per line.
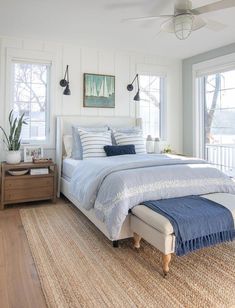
(123, 65)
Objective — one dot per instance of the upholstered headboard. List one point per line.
(64, 127)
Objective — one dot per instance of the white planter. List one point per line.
(13, 157)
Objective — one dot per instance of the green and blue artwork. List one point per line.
(99, 91)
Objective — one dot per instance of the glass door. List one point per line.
(218, 133)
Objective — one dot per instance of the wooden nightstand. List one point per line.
(25, 188)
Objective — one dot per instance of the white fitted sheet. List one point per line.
(68, 167)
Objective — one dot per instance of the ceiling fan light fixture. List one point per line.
(183, 25)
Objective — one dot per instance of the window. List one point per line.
(151, 105)
(217, 92)
(31, 97)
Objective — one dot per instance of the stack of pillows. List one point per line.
(94, 142)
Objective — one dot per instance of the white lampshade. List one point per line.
(183, 25)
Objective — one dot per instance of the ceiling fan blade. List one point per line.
(183, 5)
(198, 23)
(168, 26)
(121, 5)
(147, 18)
(158, 33)
(219, 5)
(215, 25)
(163, 6)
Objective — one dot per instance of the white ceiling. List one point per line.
(99, 23)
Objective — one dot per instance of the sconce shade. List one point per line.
(67, 90)
(137, 96)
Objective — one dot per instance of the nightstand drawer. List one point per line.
(27, 187)
(28, 183)
(25, 193)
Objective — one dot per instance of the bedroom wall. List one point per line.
(81, 59)
(187, 82)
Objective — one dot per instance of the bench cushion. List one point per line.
(153, 219)
(163, 225)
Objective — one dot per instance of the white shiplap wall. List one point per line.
(90, 60)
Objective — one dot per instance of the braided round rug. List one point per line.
(78, 267)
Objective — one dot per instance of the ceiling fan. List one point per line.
(186, 19)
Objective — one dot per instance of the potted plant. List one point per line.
(13, 141)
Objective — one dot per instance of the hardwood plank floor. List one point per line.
(19, 283)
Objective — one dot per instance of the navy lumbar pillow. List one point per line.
(113, 150)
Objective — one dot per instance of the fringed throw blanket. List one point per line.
(197, 222)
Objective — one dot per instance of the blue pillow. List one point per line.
(113, 150)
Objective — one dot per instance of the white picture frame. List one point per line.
(31, 152)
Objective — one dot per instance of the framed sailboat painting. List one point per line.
(99, 91)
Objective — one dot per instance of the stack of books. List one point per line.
(39, 171)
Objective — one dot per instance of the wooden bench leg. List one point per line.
(166, 259)
(137, 239)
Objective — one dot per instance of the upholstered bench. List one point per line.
(158, 231)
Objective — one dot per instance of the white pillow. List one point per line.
(68, 145)
(136, 139)
(124, 130)
(77, 146)
(93, 143)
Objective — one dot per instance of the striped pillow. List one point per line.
(93, 143)
(136, 139)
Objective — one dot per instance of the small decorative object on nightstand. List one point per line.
(27, 187)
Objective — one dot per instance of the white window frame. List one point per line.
(158, 71)
(26, 56)
(216, 65)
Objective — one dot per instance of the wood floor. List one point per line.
(19, 282)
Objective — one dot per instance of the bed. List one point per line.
(111, 191)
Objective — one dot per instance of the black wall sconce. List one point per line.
(65, 82)
(130, 88)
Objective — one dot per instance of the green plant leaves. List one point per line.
(13, 141)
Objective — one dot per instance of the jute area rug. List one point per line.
(78, 267)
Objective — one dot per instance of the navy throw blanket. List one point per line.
(197, 222)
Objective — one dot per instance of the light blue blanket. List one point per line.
(113, 185)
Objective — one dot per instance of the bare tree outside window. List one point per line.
(220, 108)
(215, 83)
(219, 119)
(30, 96)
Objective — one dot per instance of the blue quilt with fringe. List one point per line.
(197, 222)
